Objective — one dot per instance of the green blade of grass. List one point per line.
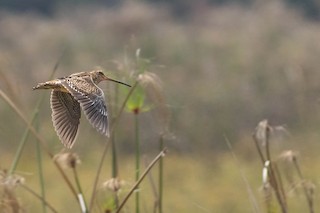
(114, 156)
(39, 139)
(21, 146)
(137, 175)
(34, 115)
(40, 171)
(252, 198)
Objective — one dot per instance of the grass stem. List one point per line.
(34, 115)
(106, 147)
(40, 171)
(21, 145)
(160, 187)
(137, 171)
(305, 189)
(272, 174)
(114, 166)
(252, 198)
(135, 186)
(39, 139)
(81, 199)
(39, 197)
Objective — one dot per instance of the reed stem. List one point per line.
(137, 144)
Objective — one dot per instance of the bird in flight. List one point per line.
(71, 94)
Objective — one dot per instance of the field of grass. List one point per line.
(222, 71)
(192, 182)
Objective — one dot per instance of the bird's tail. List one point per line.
(46, 85)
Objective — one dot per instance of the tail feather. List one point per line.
(39, 86)
(46, 85)
(42, 86)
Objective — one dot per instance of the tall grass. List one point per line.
(272, 173)
(70, 160)
(225, 67)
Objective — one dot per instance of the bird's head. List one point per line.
(98, 76)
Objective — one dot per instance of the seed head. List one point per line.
(289, 156)
(263, 132)
(67, 160)
(113, 184)
(153, 87)
(311, 187)
(11, 181)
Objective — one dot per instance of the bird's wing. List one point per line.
(65, 116)
(91, 99)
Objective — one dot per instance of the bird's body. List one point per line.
(70, 94)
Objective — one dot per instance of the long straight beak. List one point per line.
(119, 82)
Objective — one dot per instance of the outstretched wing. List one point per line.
(91, 99)
(65, 116)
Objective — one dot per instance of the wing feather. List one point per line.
(91, 99)
(65, 116)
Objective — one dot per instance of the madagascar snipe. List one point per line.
(68, 95)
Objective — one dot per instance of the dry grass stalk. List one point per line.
(262, 140)
(39, 139)
(9, 201)
(147, 170)
(291, 156)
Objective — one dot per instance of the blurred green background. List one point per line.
(224, 65)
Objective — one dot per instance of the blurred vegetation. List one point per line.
(224, 69)
(182, 8)
(233, 66)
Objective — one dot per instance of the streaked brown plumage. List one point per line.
(71, 93)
